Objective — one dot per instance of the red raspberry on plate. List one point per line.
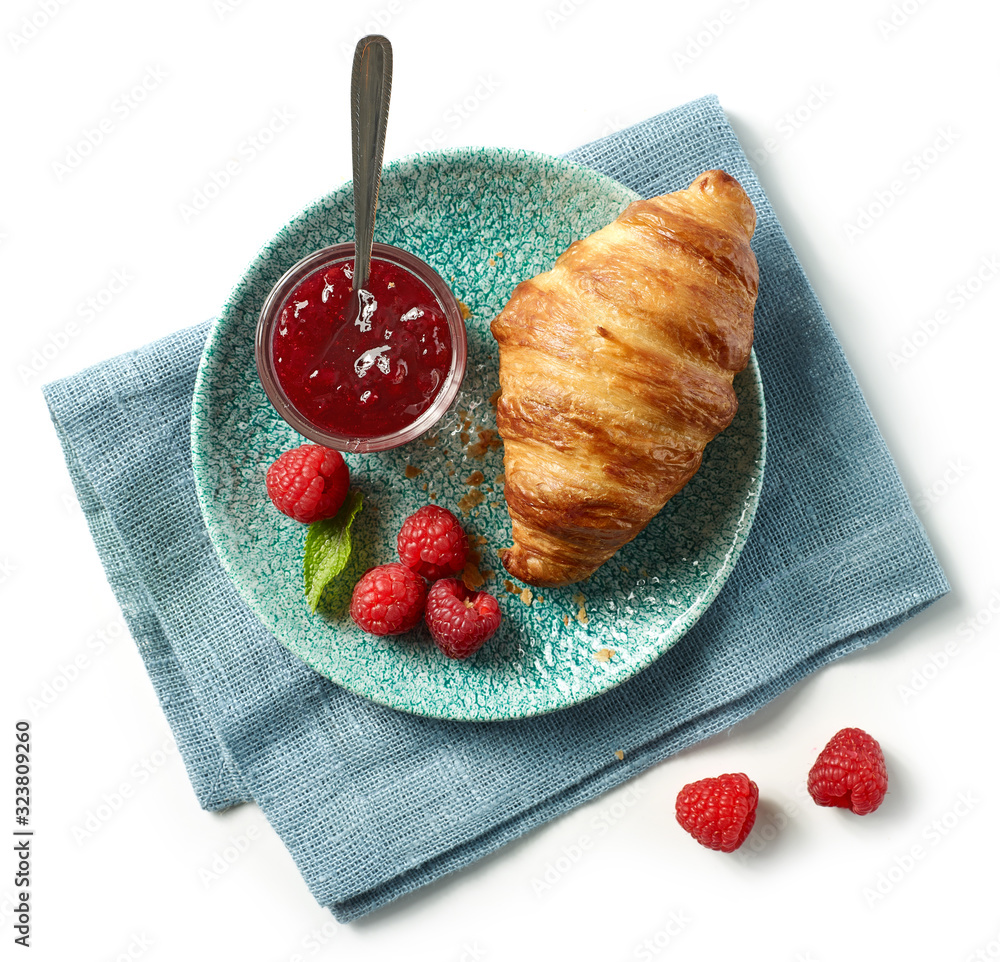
(308, 483)
(849, 773)
(388, 600)
(432, 543)
(718, 812)
(460, 620)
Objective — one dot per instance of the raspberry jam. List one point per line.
(375, 377)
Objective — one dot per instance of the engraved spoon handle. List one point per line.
(371, 83)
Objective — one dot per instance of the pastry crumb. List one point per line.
(495, 396)
(499, 479)
(527, 597)
(433, 495)
(509, 586)
(464, 437)
(566, 620)
(475, 478)
(468, 501)
(581, 614)
(423, 487)
(620, 755)
(492, 262)
(488, 440)
(430, 440)
(472, 577)
(464, 310)
(412, 471)
(604, 654)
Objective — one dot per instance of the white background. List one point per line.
(871, 103)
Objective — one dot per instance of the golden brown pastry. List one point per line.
(616, 369)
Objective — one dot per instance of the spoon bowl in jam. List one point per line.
(395, 367)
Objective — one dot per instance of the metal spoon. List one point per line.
(371, 83)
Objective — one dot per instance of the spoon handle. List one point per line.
(371, 83)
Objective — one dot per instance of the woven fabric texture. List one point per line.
(373, 803)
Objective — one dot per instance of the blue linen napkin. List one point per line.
(373, 803)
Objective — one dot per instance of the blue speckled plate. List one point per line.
(485, 219)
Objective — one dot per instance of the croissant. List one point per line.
(616, 369)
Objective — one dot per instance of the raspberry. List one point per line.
(460, 620)
(849, 773)
(308, 483)
(388, 600)
(432, 543)
(718, 812)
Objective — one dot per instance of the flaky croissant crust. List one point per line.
(616, 370)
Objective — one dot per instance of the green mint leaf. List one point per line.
(328, 548)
